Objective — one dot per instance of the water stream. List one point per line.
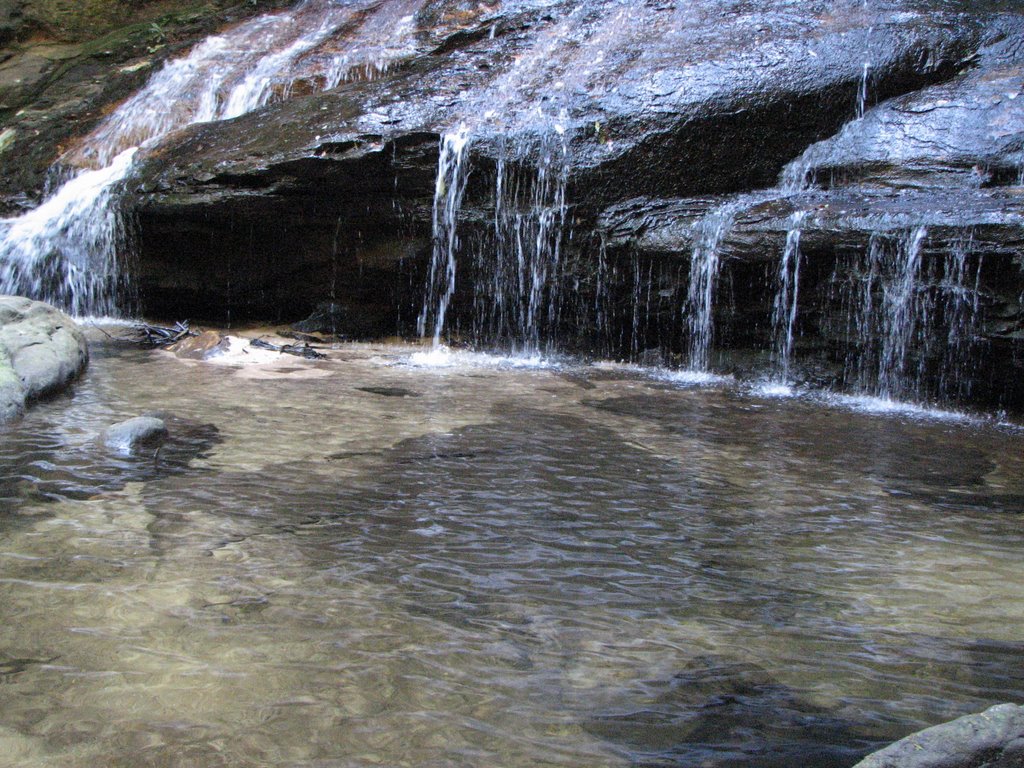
(705, 261)
(68, 251)
(787, 296)
(463, 560)
(452, 174)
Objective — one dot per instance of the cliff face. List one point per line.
(620, 179)
(66, 63)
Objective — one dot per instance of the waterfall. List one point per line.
(64, 251)
(452, 174)
(900, 297)
(959, 299)
(518, 290)
(704, 267)
(69, 250)
(862, 90)
(787, 294)
(886, 309)
(912, 324)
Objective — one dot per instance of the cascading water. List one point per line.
(900, 298)
(862, 91)
(709, 233)
(518, 265)
(452, 174)
(784, 310)
(961, 288)
(68, 250)
(65, 251)
(517, 296)
(911, 322)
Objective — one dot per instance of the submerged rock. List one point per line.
(206, 345)
(41, 351)
(134, 434)
(991, 739)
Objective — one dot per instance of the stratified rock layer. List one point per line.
(602, 139)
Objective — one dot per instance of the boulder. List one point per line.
(991, 739)
(134, 434)
(12, 391)
(206, 345)
(42, 350)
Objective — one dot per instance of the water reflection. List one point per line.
(370, 563)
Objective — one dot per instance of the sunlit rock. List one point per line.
(991, 739)
(41, 351)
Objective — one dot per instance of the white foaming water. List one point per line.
(888, 407)
(241, 352)
(685, 377)
(773, 389)
(442, 358)
(67, 250)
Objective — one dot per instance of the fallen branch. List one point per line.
(159, 336)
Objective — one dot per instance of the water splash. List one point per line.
(452, 174)
(787, 294)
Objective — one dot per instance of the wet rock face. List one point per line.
(868, 120)
(658, 99)
(64, 65)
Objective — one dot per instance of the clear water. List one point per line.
(398, 560)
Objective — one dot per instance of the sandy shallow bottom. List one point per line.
(402, 558)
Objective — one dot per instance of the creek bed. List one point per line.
(401, 559)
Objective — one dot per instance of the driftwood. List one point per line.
(159, 336)
(303, 350)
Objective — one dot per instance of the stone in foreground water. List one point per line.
(991, 739)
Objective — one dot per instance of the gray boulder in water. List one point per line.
(132, 434)
(42, 350)
(991, 739)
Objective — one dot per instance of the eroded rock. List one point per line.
(991, 739)
(41, 351)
